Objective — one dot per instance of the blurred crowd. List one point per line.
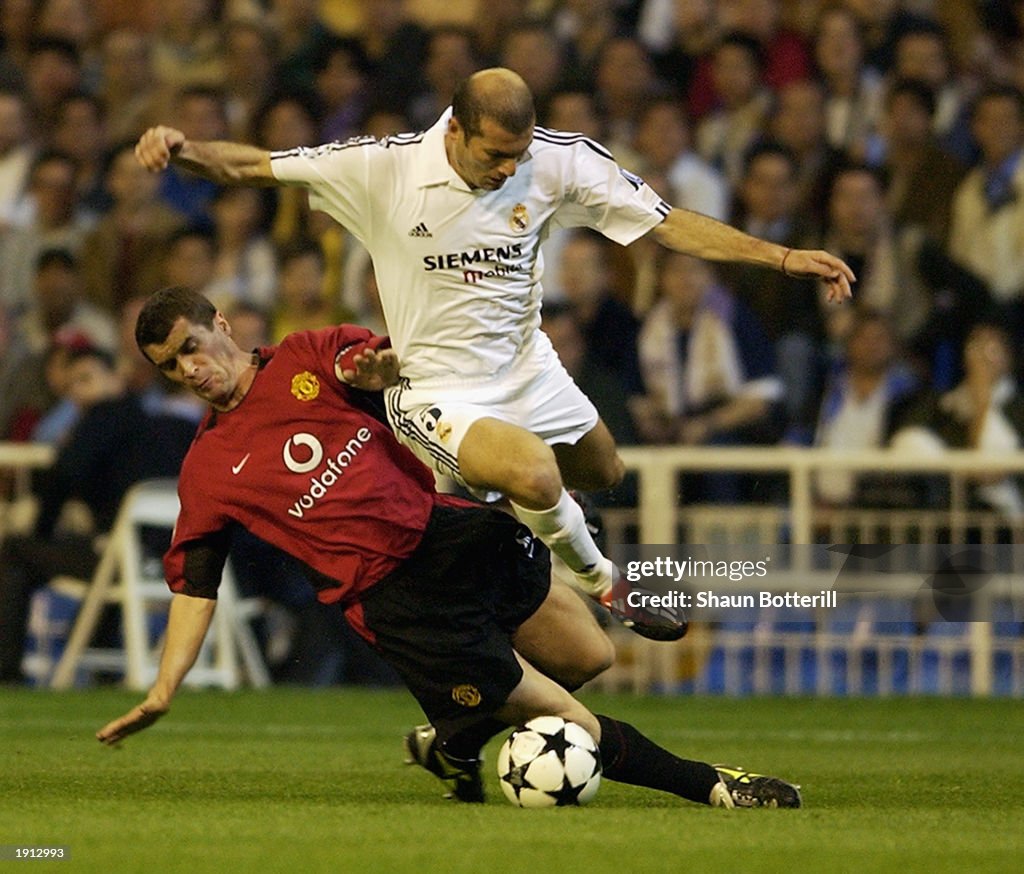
(890, 133)
(887, 132)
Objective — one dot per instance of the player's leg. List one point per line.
(591, 463)
(502, 457)
(628, 756)
(563, 640)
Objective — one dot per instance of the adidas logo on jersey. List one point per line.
(420, 231)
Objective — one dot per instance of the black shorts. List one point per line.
(444, 620)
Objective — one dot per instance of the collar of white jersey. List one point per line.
(432, 167)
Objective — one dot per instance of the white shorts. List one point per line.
(535, 393)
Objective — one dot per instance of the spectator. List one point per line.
(984, 412)
(187, 50)
(681, 37)
(76, 22)
(58, 301)
(189, 258)
(127, 84)
(607, 325)
(200, 110)
(987, 235)
(860, 408)
(798, 125)
(707, 364)
(57, 223)
(16, 153)
(123, 255)
(397, 48)
(602, 385)
(725, 134)
(922, 177)
(80, 133)
(624, 80)
(882, 23)
(664, 142)
(494, 20)
(787, 308)
(79, 375)
(245, 268)
(53, 71)
(787, 57)
(586, 26)
(923, 54)
(883, 256)
(451, 57)
(250, 54)
(17, 24)
(302, 303)
(342, 80)
(853, 90)
(115, 444)
(534, 52)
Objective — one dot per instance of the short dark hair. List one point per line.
(770, 148)
(1000, 91)
(746, 43)
(916, 90)
(512, 108)
(56, 257)
(103, 356)
(165, 307)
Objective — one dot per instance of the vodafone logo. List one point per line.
(304, 453)
(312, 453)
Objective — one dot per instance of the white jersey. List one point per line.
(459, 269)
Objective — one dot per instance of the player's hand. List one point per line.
(136, 719)
(833, 271)
(157, 146)
(375, 369)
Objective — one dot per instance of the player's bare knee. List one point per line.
(538, 485)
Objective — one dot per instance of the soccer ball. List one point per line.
(549, 762)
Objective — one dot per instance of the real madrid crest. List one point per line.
(520, 218)
(305, 386)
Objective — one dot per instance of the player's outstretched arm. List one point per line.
(187, 625)
(694, 234)
(223, 162)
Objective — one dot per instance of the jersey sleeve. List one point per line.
(202, 537)
(337, 176)
(599, 194)
(332, 347)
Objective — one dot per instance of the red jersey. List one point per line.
(301, 465)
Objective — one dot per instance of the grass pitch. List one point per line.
(297, 781)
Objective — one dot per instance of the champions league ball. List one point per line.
(549, 762)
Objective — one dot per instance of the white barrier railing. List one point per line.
(662, 517)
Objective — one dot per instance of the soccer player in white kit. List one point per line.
(454, 218)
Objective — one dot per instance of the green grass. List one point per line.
(297, 781)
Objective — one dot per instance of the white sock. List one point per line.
(563, 528)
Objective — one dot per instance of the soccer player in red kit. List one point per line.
(457, 597)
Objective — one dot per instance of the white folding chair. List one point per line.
(127, 579)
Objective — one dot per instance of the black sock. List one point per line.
(467, 742)
(629, 757)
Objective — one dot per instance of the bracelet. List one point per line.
(783, 265)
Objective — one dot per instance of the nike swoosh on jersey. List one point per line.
(237, 468)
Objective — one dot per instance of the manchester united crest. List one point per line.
(520, 218)
(305, 386)
(466, 694)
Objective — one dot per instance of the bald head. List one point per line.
(497, 94)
